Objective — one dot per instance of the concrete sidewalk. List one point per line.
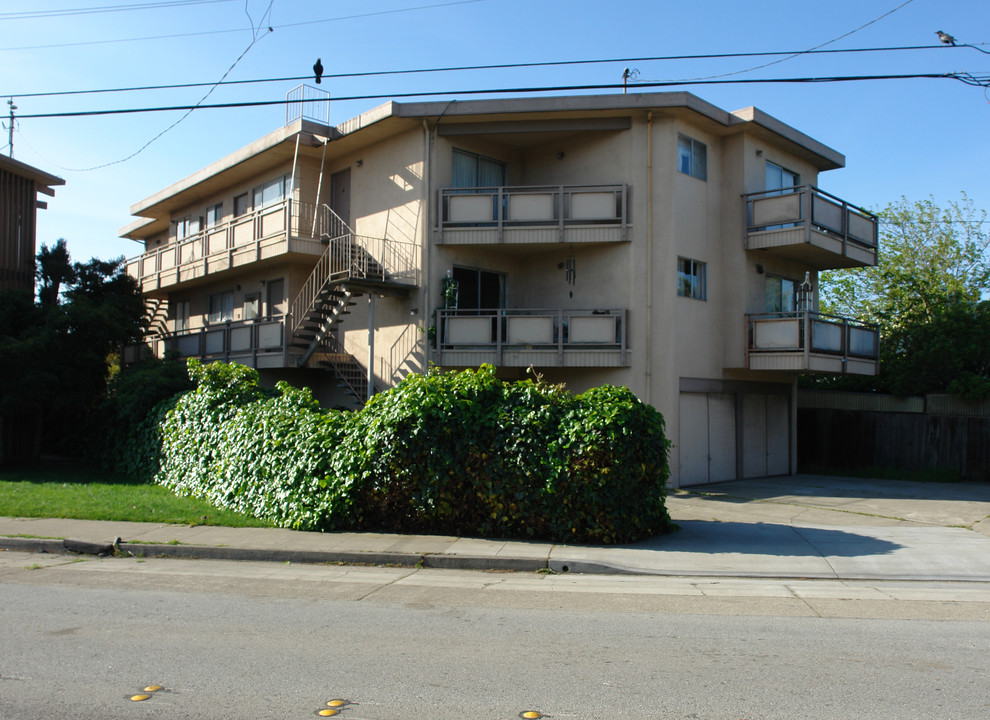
(806, 526)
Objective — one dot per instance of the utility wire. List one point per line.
(35, 14)
(500, 66)
(981, 81)
(238, 30)
(254, 39)
(805, 52)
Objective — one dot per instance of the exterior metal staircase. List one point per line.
(347, 269)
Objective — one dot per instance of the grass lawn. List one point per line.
(67, 489)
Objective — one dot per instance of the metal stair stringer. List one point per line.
(328, 309)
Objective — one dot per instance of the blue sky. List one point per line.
(916, 138)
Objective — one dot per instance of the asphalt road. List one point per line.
(246, 640)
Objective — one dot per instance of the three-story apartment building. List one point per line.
(653, 241)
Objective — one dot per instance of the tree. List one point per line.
(55, 355)
(54, 269)
(926, 295)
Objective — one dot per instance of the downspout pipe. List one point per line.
(426, 315)
(649, 258)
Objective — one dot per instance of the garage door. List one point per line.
(707, 439)
(766, 435)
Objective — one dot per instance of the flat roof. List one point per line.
(45, 181)
(393, 117)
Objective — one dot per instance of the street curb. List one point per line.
(424, 560)
(207, 552)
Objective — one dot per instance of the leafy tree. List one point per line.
(55, 355)
(926, 296)
(53, 270)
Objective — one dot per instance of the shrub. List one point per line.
(451, 453)
(125, 436)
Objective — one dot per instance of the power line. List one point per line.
(239, 30)
(499, 66)
(256, 35)
(963, 77)
(810, 50)
(36, 14)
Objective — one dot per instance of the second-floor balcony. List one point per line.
(812, 342)
(258, 343)
(533, 214)
(279, 229)
(812, 227)
(511, 337)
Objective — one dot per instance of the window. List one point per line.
(479, 289)
(271, 192)
(780, 179)
(222, 307)
(181, 315)
(472, 170)
(692, 157)
(275, 297)
(780, 294)
(214, 215)
(691, 279)
(241, 205)
(186, 226)
(252, 306)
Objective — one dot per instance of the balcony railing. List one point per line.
(811, 342)
(520, 337)
(534, 214)
(256, 343)
(287, 226)
(812, 226)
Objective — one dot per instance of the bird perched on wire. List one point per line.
(318, 70)
(946, 38)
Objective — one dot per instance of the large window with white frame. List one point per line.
(692, 157)
(691, 279)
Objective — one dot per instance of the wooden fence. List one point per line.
(849, 431)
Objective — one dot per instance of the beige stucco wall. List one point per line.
(671, 215)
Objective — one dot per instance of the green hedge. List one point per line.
(451, 453)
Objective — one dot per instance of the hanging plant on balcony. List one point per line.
(450, 290)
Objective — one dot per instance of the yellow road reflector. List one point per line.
(153, 688)
(530, 714)
(139, 698)
(327, 713)
(336, 703)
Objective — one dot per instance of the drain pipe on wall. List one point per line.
(426, 314)
(649, 258)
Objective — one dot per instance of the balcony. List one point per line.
(538, 214)
(259, 343)
(811, 342)
(810, 226)
(279, 229)
(524, 337)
